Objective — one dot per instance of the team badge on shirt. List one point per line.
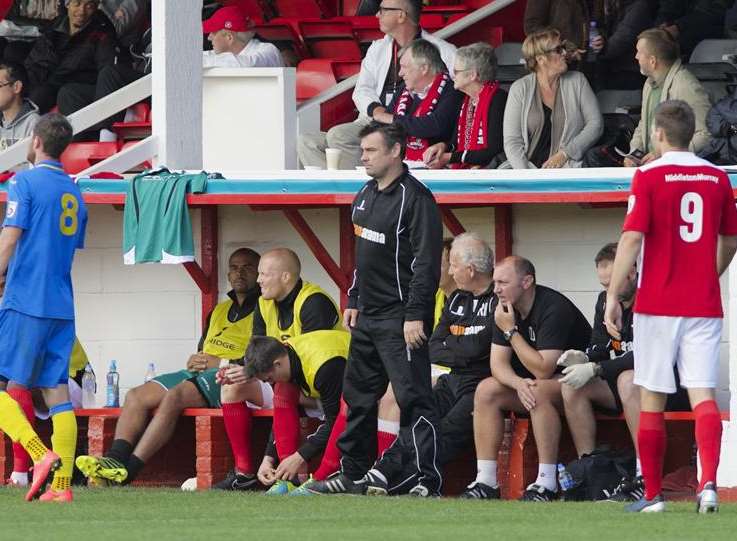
(12, 208)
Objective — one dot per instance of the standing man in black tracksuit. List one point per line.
(399, 242)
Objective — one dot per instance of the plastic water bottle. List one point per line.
(565, 480)
(150, 373)
(89, 388)
(113, 387)
(593, 34)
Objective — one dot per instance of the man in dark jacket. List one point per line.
(690, 21)
(399, 242)
(72, 50)
(619, 24)
(601, 378)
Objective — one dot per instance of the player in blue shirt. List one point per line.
(45, 220)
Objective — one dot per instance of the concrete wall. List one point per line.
(148, 313)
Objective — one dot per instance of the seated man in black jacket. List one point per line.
(602, 377)
(72, 50)
(461, 341)
(427, 108)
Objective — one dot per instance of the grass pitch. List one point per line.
(161, 514)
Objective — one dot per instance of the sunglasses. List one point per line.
(383, 10)
(560, 49)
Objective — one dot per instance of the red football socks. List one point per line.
(651, 444)
(21, 459)
(237, 420)
(286, 419)
(330, 462)
(708, 439)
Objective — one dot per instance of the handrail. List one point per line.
(84, 118)
(126, 159)
(444, 33)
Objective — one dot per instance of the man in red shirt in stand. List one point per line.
(682, 223)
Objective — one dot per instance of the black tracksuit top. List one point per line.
(399, 243)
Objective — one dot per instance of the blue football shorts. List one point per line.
(34, 351)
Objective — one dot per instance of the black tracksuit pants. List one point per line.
(379, 355)
(453, 398)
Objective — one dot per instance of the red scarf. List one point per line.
(417, 146)
(479, 137)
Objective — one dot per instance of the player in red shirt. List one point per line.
(682, 223)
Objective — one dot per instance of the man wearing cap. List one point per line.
(233, 43)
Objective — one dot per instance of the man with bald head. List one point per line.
(533, 326)
(227, 333)
(288, 307)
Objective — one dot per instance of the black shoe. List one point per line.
(480, 491)
(338, 484)
(375, 485)
(537, 493)
(237, 481)
(628, 490)
(421, 491)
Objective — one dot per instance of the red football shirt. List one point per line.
(682, 204)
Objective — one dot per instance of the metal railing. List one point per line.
(88, 116)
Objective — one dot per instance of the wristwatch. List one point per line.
(510, 333)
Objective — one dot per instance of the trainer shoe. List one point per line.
(481, 491)
(237, 481)
(280, 488)
(303, 489)
(421, 491)
(538, 493)
(61, 496)
(376, 484)
(643, 505)
(41, 471)
(707, 500)
(338, 484)
(105, 467)
(628, 490)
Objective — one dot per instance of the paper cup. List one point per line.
(332, 156)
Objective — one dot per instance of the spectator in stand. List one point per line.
(690, 21)
(533, 326)
(234, 44)
(552, 117)
(427, 107)
(619, 24)
(378, 83)
(129, 17)
(477, 138)
(570, 17)
(601, 378)
(72, 50)
(667, 79)
(19, 114)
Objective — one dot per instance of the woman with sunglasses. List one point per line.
(552, 117)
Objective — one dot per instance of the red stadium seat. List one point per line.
(314, 76)
(446, 10)
(348, 8)
(330, 39)
(283, 34)
(79, 156)
(303, 8)
(137, 125)
(366, 28)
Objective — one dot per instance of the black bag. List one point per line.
(595, 476)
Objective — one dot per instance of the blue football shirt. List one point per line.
(48, 206)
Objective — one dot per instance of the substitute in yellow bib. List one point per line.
(227, 332)
(311, 365)
(288, 307)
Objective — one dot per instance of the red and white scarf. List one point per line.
(416, 146)
(479, 136)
